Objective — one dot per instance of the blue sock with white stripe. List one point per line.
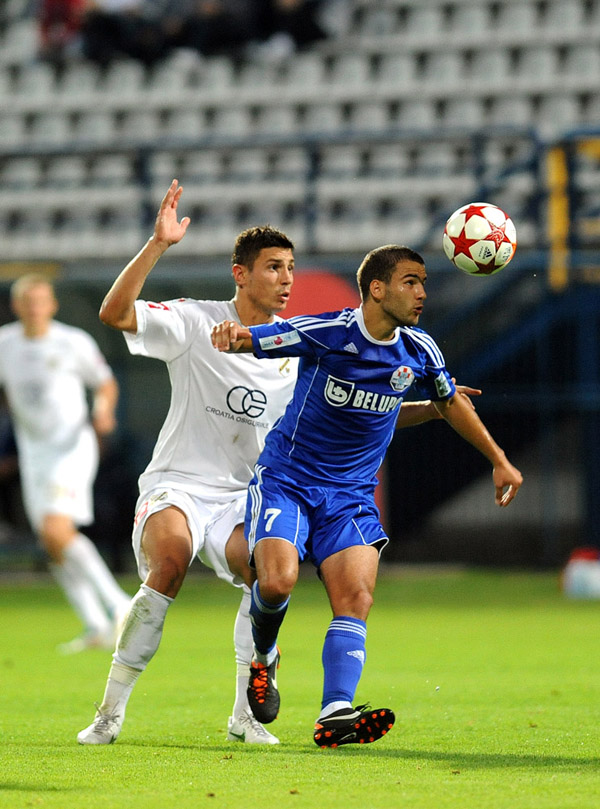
(344, 656)
(266, 620)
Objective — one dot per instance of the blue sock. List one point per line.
(266, 620)
(343, 658)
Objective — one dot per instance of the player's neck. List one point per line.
(35, 330)
(379, 325)
(249, 314)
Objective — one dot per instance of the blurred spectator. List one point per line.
(298, 19)
(212, 26)
(60, 28)
(113, 28)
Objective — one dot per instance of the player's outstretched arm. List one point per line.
(104, 406)
(118, 308)
(463, 418)
(231, 338)
(413, 413)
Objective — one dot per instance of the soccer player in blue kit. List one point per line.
(312, 495)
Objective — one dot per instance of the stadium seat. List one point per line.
(305, 69)
(521, 17)
(340, 160)
(369, 116)
(111, 170)
(66, 171)
(80, 80)
(20, 172)
(50, 128)
(396, 70)
(564, 15)
(417, 114)
(464, 112)
(277, 119)
(424, 20)
(96, 126)
(352, 70)
(323, 117)
(389, 159)
(37, 81)
(467, 19)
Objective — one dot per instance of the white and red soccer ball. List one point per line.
(479, 238)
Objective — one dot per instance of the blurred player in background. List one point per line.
(45, 369)
(313, 485)
(193, 493)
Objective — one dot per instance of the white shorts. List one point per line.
(210, 520)
(59, 480)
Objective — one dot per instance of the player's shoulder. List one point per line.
(325, 321)
(424, 342)
(195, 308)
(10, 330)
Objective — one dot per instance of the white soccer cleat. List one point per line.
(104, 729)
(89, 640)
(246, 728)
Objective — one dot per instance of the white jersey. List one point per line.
(222, 405)
(45, 380)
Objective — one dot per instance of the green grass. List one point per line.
(494, 678)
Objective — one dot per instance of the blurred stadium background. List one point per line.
(403, 111)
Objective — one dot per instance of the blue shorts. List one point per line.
(318, 520)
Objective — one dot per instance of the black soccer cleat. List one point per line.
(361, 725)
(263, 696)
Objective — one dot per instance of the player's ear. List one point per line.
(240, 274)
(376, 288)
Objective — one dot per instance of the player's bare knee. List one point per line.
(276, 587)
(166, 574)
(356, 604)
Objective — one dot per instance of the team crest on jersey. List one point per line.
(402, 378)
(442, 385)
(337, 391)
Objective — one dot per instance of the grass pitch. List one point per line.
(494, 678)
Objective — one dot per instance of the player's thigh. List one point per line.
(349, 577)
(166, 546)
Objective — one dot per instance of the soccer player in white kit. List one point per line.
(45, 369)
(193, 493)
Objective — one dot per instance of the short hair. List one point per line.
(251, 241)
(380, 263)
(25, 282)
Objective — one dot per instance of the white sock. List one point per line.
(119, 686)
(335, 706)
(142, 629)
(82, 597)
(242, 639)
(83, 553)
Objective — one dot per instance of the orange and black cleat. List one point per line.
(361, 725)
(263, 696)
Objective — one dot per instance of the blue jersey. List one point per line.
(350, 387)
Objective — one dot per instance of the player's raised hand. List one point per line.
(467, 392)
(506, 477)
(167, 228)
(230, 336)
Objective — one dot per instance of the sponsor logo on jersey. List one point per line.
(442, 385)
(340, 392)
(287, 338)
(402, 378)
(350, 347)
(246, 402)
(337, 391)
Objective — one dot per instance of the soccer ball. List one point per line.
(480, 239)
